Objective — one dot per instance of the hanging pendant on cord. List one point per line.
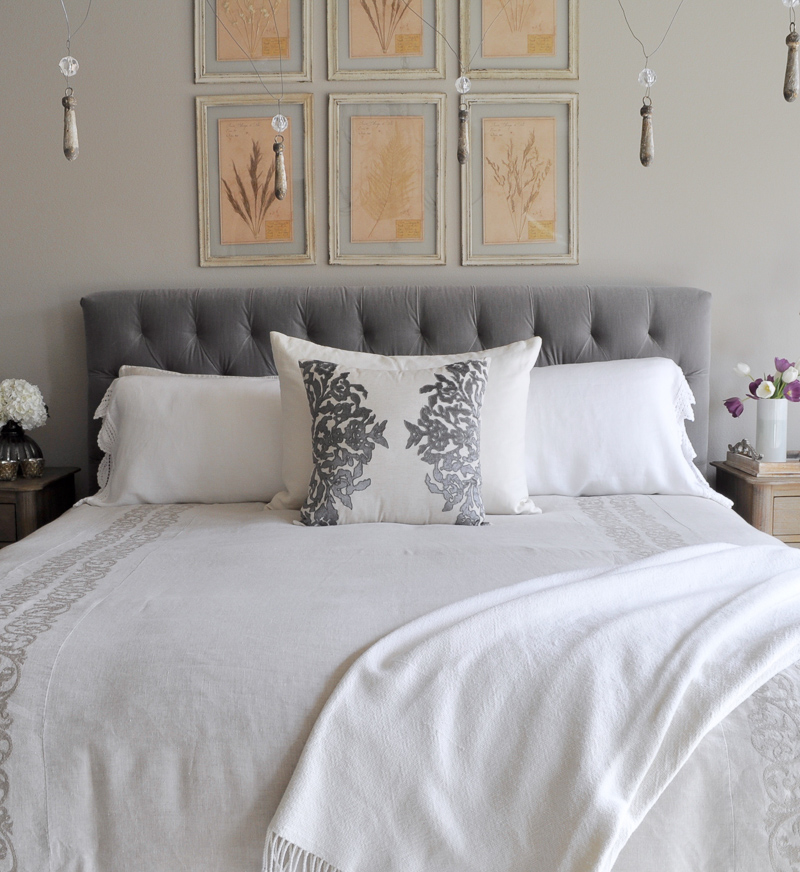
(463, 83)
(791, 80)
(463, 86)
(648, 78)
(279, 121)
(69, 67)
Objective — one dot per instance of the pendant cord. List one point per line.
(666, 32)
(462, 70)
(248, 56)
(280, 54)
(70, 33)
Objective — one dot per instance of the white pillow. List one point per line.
(613, 427)
(505, 491)
(189, 439)
(395, 446)
(151, 370)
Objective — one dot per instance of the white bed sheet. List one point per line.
(164, 666)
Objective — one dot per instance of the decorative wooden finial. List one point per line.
(647, 148)
(792, 79)
(463, 134)
(70, 125)
(281, 184)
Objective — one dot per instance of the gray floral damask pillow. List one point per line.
(400, 447)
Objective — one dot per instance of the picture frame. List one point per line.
(519, 39)
(248, 48)
(364, 44)
(242, 223)
(519, 196)
(386, 179)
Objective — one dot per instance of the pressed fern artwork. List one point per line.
(519, 192)
(518, 28)
(262, 31)
(385, 28)
(249, 210)
(387, 178)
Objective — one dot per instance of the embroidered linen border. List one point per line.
(70, 576)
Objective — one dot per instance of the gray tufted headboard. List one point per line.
(227, 331)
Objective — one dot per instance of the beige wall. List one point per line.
(717, 210)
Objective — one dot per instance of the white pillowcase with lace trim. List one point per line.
(612, 427)
(188, 439)
(502, 453)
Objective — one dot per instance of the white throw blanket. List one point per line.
(531, 728)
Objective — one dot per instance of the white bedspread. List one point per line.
(161, 668)
(533, 727)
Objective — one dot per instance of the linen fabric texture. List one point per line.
(612, 427)
(502, 455)
(189, 439)
(157, 641)
(395, 446)
(534, 726)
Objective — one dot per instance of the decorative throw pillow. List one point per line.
(612, 427)
(505, 491)
(402, 447)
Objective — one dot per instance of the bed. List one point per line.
(164, 664)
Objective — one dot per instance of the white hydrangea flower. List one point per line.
(765, 390)
(22, 402)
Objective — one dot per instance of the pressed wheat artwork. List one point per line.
(385, 28)
(518, 28)
(387, 178)
(249, 210)
(263, 32)
(519, 194)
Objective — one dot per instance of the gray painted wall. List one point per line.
(717, 210)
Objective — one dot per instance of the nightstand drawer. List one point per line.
(28, 503)
(786, 516)
(8, 524)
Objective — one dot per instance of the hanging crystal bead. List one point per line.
(69, 66)
(647, 78)
(463, 84)
(279, 123)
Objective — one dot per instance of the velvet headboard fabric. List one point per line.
(226, 331)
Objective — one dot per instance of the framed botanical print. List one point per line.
(261, 41)
(385, 39)
(518, 188)
(386, 178)
(242, 220)
(519, 39)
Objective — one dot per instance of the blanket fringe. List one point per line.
(283, 856)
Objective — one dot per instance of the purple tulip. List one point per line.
(735, 406)
(792, 391)
(753, 388)
(782, 364)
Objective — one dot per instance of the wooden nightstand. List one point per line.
(28, 503)
(769, 502)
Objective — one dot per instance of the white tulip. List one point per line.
(791, 375)
(765, 390)
(743, 369)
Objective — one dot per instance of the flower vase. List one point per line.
(15, 444)
(771, 429)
